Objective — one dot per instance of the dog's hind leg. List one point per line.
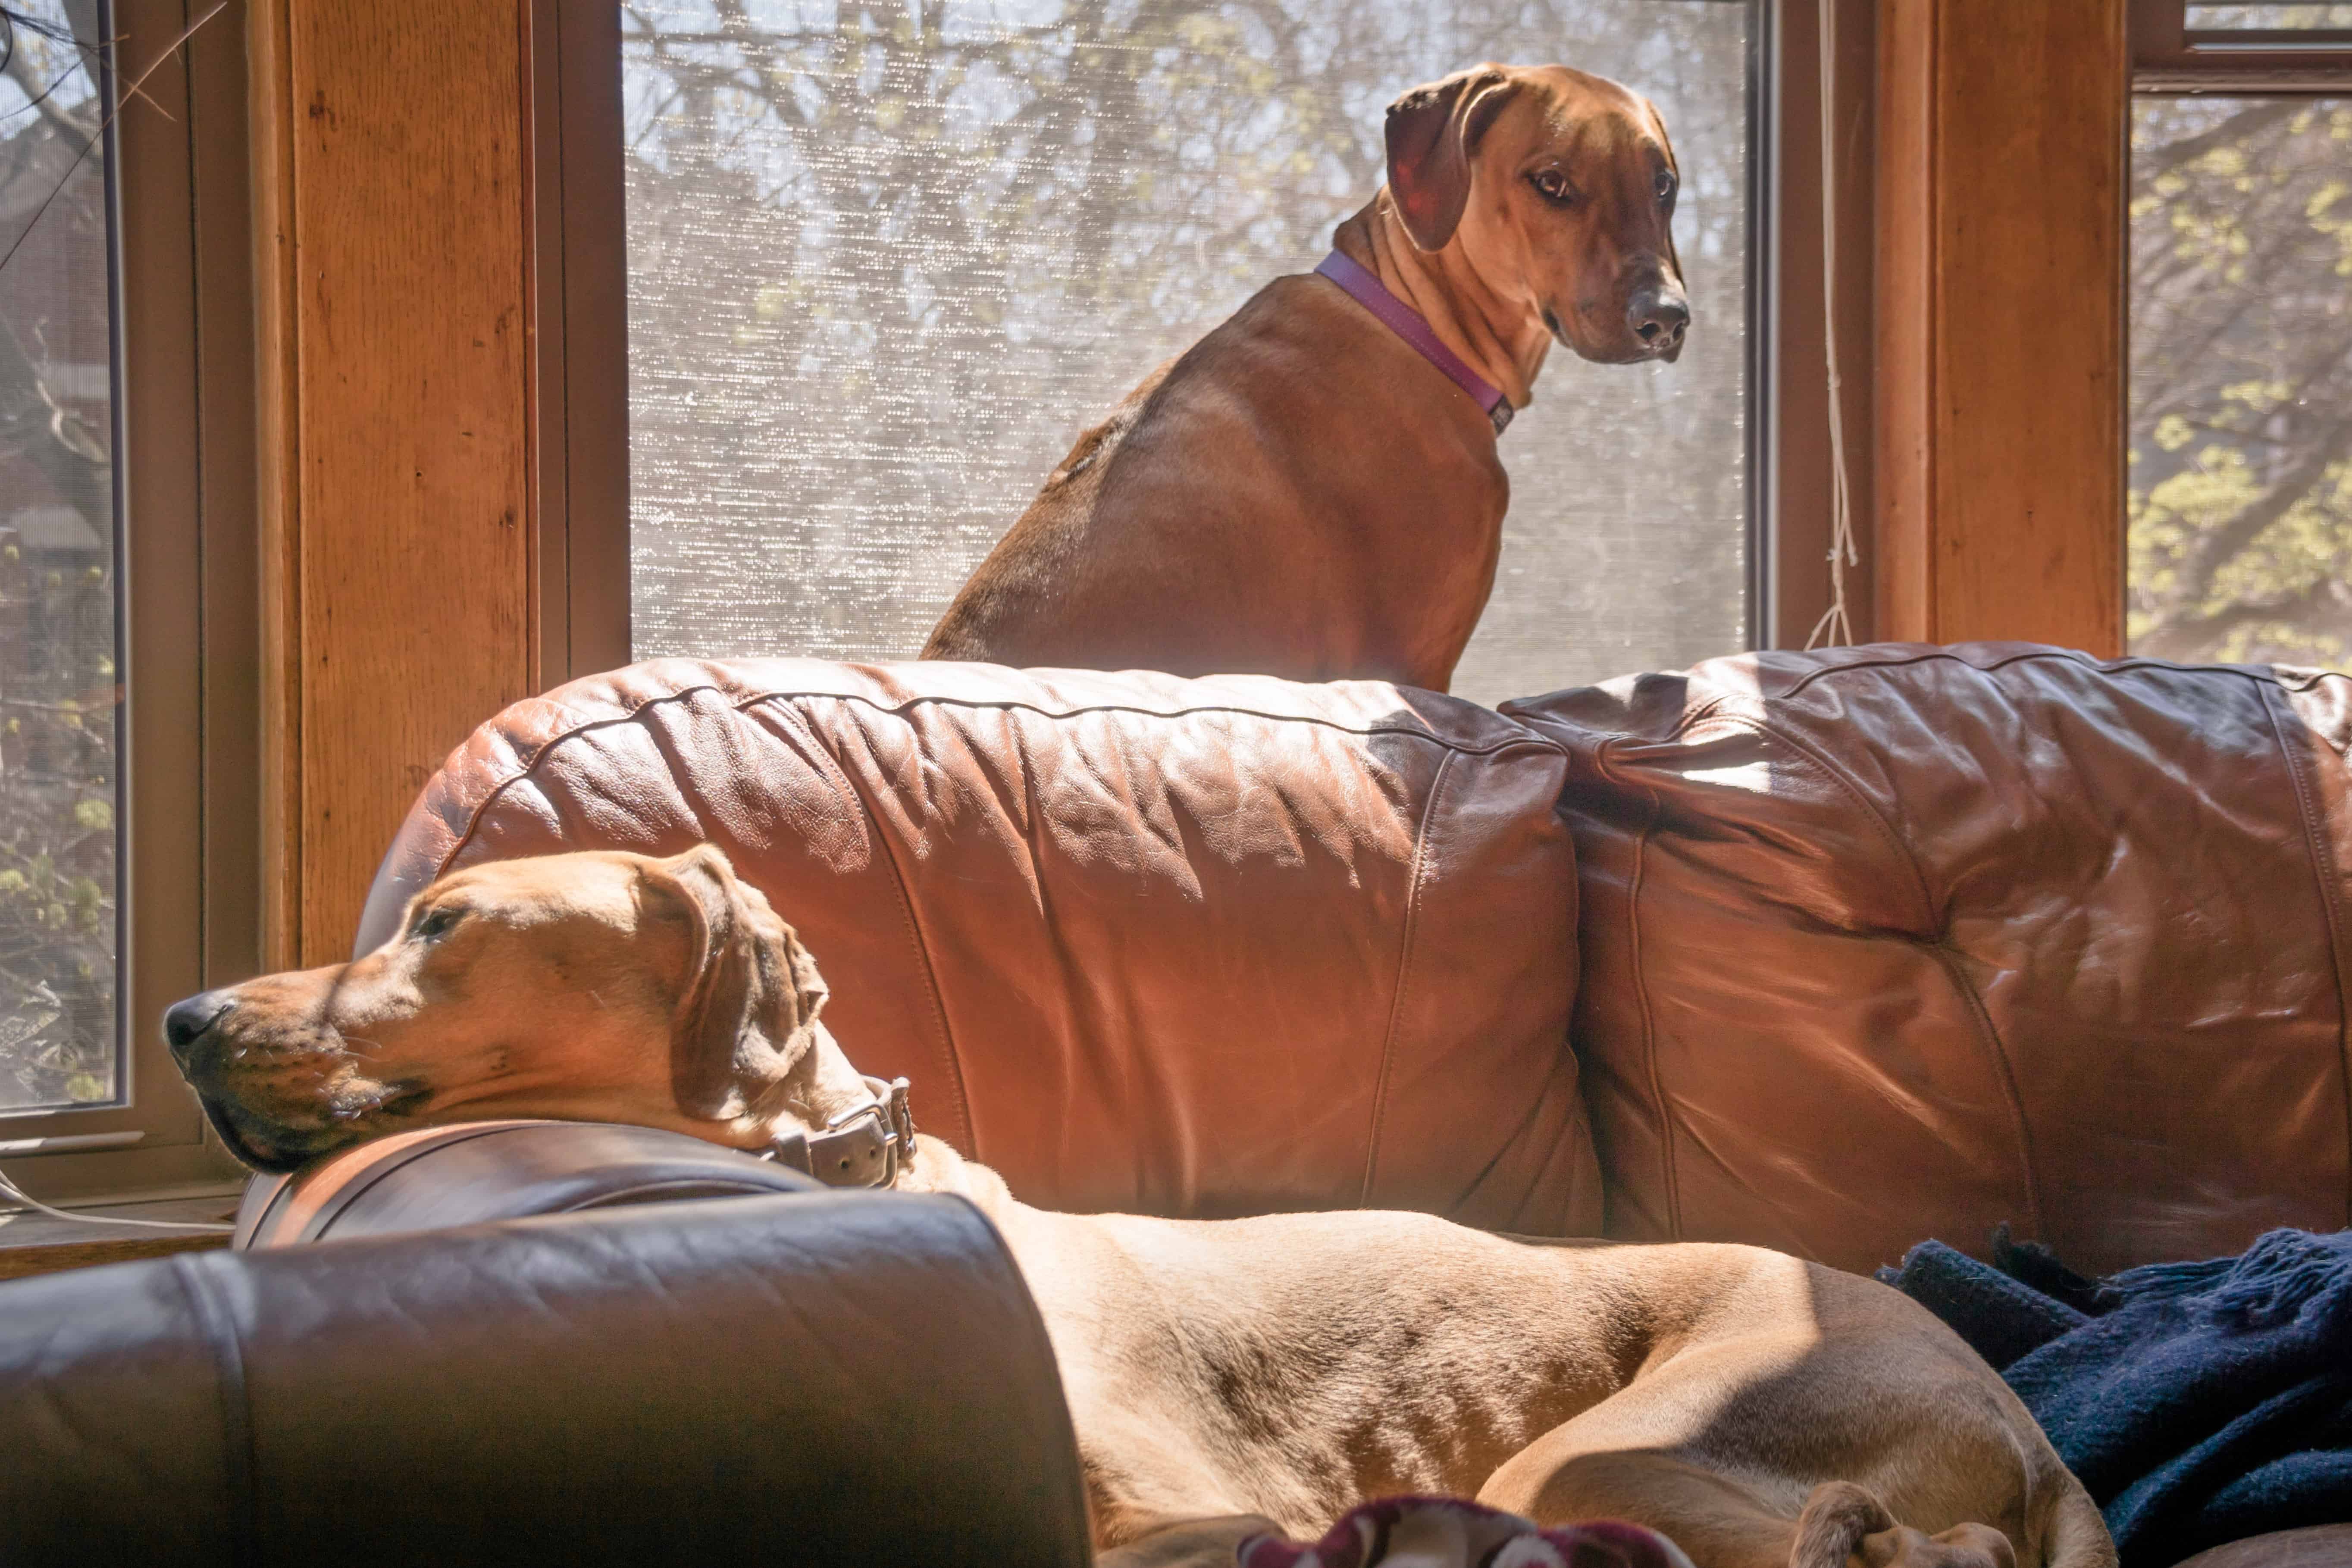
(1717, 1521)
(1724, 1522)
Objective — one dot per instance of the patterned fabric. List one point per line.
(1445, 1532)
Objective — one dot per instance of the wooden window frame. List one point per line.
(580, 273)
(580, 300)
(1795, 520)
(2166, 57)
(1999, 404)
(370, 332)
(188, 893)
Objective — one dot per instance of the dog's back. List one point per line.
(1255, 505)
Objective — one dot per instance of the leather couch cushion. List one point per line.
(826, 1377)
(1187, 947)
(475, 1171)
(1891, 943)
(2322, 1546)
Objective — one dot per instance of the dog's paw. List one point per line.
(1844, 1526)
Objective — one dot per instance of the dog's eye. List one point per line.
(1667, 186)
(435, 923)
(1553, 184)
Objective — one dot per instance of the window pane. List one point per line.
(2242, 379)
(2226, 18)
(887, 262)
(57, 652)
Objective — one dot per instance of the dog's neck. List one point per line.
(823, 1084)
(1501, 337)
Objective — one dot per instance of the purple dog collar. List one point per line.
(1405, 323)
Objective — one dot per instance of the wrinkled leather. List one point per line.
(1893, 942)
(1188, 947)
(1876, 944)
(831, 1377)
(2322, 1546)
(477, 1171)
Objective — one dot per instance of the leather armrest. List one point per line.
(475, 1171)
(819, 1377)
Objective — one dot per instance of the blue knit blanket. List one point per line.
(2199, 1402)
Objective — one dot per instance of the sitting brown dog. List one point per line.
(1761, 1412)
(1306, 492)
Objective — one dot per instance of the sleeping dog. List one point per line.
(1225, 1377)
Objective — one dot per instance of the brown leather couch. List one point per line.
(1831, 952)
(1198, 947)
(1860, 947)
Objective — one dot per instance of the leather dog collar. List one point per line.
(866, 1146)
(1406, 323)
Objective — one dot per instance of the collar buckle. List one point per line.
(864, 1146)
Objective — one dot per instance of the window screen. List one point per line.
(2240, 439)
(2242, 17)
(886, 261)
(58, 1038)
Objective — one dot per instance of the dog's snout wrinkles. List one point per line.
(186, 1022)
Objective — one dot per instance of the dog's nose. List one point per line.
(1659, 317)
(186, 1022)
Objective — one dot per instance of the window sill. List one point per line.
(39, 1243)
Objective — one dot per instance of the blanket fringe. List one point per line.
(2278, 1277)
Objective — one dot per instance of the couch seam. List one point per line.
(914, 925)
(1947, 958)
(2066, 656)
(1670, 1176)
(1031, 840)
(1421, 857)
(238, 1457)
(2326, 874)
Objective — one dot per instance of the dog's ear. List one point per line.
(748, 1004)
(1433, 131)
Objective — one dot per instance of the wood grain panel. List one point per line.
(278, 437)
(400, 559)
(2000, 320)
(1802, 468)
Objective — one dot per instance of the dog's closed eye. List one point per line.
(433, 924)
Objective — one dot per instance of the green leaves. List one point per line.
(2241, 512)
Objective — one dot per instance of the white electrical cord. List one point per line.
(1835, 629)
(17, 1195)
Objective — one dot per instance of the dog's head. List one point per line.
(1560, 189)
(596, 987)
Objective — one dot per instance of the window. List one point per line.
(59, 655)
(2239, 24)
(128, 865)
(885, 262)
(2241, 422)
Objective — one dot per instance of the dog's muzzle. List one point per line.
(241, 1081)
(1658, 316)
(185, 1023)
